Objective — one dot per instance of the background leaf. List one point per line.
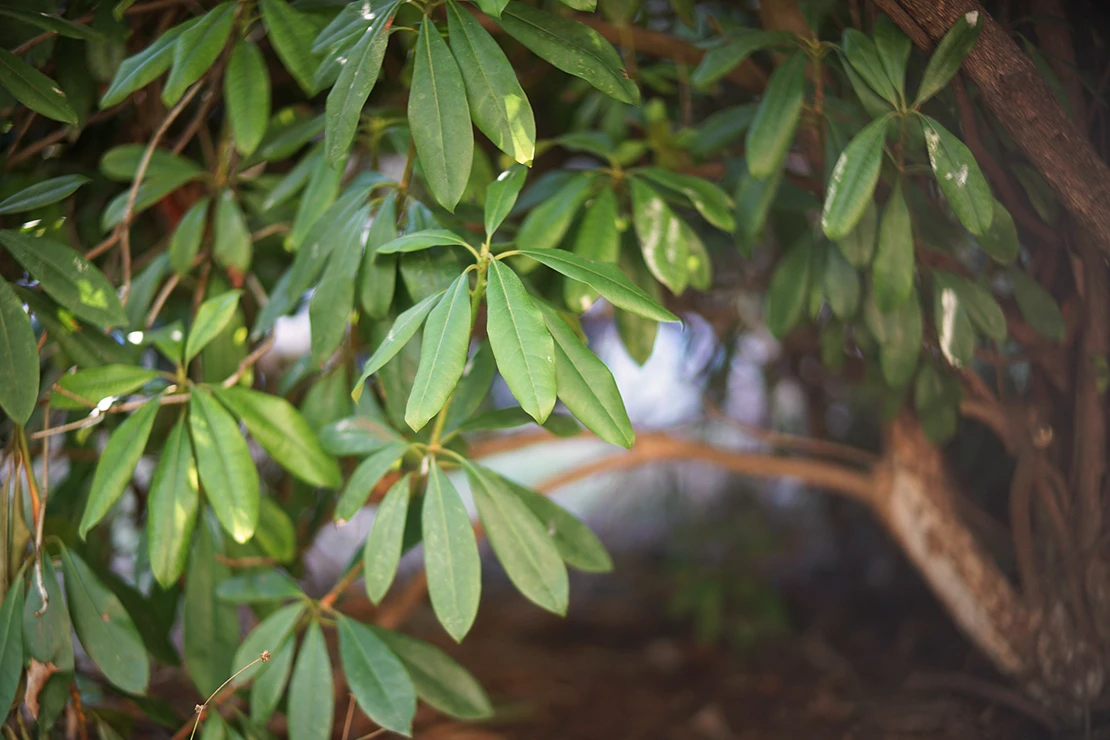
(450, 556)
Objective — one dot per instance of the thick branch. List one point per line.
(1023, 103)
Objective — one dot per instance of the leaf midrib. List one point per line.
(519, 338)
(567, 42)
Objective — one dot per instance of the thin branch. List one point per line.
(249, 361)
(97, 416)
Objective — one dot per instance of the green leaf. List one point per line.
(382, 551)
(892, 271)
(753, 203)
(501, 195)
(285, 435)
(572, 47)
(121, 164)
(269, 686)
(1037, 305)
(451, 559)
(587, 386)
(526, 551)
(11, 642)
(117, 463)
(139, 70)
(376, 677)
(714, 204)
(104, 627)
(577, 545)
(497, 101)
(19, 358)
(959, 177)
(954, 330)
(231, 239)
(378, 275)
(786, 295)
(660, 234)
(85, 347)
(949, 55)
(893, 49)
(212, 316)
(330, 308)
(268, 635)
(858, 245)
(54, 23)
(637, 333)
(365, 477)
(197, 49)
(247, 96)
(403, 329)
(291, 32)
(720, 60)
(317, 201)
(1000, 241)
(311, 691)
(294, 180)
(521, 344)
(47, 632)
(443, 351)
(440, 118)
(853, 181)
(42, 194)
(420, 240)
(224, 462)
(546, 224)
(899, 335)
(259, 587)
(776, 119)
(842, 285)
(357, 78)
(185, 242)
(211, 626)
(275, 534)
(439, 680)
(598, 240)
(976, 299)
(67, 277)
(936, 402)
(34, 89)
(357, 435)
(172, 506)
(865, 59)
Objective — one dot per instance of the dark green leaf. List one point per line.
(54, 23)
(521, 344)
(404, 328)
(853, 181)
(117, 463)
(318, 199)
(47, 631)
(660, 234)
(959, 177)
(382, 551)
(578, 546)
(42, 194)
(1000, 241)
(1037, 305)
(572, 47)
(443, 351)
(378, 275)
(786, 295)
(753, 203)
(451, 558)
(224, 462)
(365, 477)
(842, 284)
(501, 195)
(376, 677)
(275, 534)
(212, 316)
(710, 201)
(497, 101)
(598, 240)
(547, 223)
(34, 89)
(172, 506)
(104, 627)
(211, 626)
(949, 55)
(121, 164)
(11, 642)
(420, 240)
(197, 49)
(269, 686)
(858, 245)
(772, 129)
(291, 32)
(19, 358)
(866, 61)
(259, 587)
(139, 70)
(231, 239)
(247, 96)
(330, 309)
(311, 691)
(936, 398)
(899, 335)
(185, 242)
(953, 323)
(892, 271)
(893, 48)
(269, 635)
(720, 60)
(67, 277)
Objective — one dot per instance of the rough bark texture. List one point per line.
(1023, 103)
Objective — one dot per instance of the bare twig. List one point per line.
(97, 416)
(249, 361)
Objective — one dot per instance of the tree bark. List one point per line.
(1023, 103)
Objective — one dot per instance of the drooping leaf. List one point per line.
(949, 55)
(784, 304)
(587, 386)
(720, 60)
(959, 177)
(197, 49)
(710, 201)
(268, 636)
(282, 431)
(520, 341)
(1037, 305)
(577, 545)
(231, 239)
(1000, 241)
(893, 268)
(382, 551)
(976, 299)
(443, 351)
(524, 548)
(378, 274)
(501, 195)
(660, 233)
(276, 534)
(597, 240)
(104, 627)
(365, 477)
(269, 686)
(117, 463)
(311, 691)
(67, 277)
(11, 642)
(291, 33)
(42, 194)
(211, 319)
(898, 333)
(936, 400)
(19, 358)
(34, 89)
(48, 632)
(318, 201)
(172, 506)
(185, 242)
(451, 558)
(376, 677)
(329, 311)
(403, 329)
(225, 466)
(572, 47)
(841, 284)
(853, 181)
(438, 679)
(858, 245)
(753, 203)
(772, 129)
(211, 626)
(247, 95)
(440, 118)
(955, 332)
